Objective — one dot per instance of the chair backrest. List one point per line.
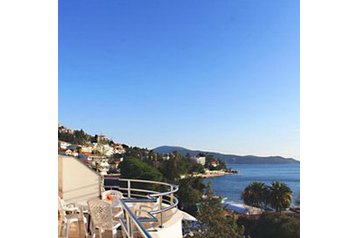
(61, 208)
(61, 202)
(155, 205)
(101, 214)
(150, 206)
(116, 195)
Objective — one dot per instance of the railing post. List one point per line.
(131, 227)
(101, 185)
(171, 195)
(129, 188)
(161, 213)
(128, 225)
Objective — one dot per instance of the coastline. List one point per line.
(232, 186)
(210, 174)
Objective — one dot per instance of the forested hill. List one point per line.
(229, 159)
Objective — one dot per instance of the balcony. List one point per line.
(150, 207)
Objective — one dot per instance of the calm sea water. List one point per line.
(231, 186)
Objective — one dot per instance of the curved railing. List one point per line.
(129, 221)
(138, 190)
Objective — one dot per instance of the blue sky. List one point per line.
(213, 75)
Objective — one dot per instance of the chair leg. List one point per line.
(114, 233)
(123, 233)
(79, 228)
(61, 228)
(85, 226)
(68, 227)
(92, 228)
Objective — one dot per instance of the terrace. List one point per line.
(149, 207)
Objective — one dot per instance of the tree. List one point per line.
(81, 137)
(77, 137)
(278, 225)
(256, 194)
(189, 195)
(117, 156)
(196, 168)
(280, 196)
(135, 168)
(70, 138)
(209, 189)
(201, 154)
(170, 169)
(216, 222)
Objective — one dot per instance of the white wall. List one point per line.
(76, 182)
(171, 228)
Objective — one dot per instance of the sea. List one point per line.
(231, 186)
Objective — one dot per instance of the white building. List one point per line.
(166, 157)
(199, 160)
(68, 152)
(63, 144)
(63, 129)
(87, 149)
(103, 149)
(118, 149)
(71, 153)
(103, 167)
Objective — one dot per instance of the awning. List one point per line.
(188, 217)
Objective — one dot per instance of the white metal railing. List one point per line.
(167, 200)
(130, 221)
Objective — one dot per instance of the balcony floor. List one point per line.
(74, 232)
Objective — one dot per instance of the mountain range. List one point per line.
(228, 158)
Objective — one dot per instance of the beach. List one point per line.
(214, 173)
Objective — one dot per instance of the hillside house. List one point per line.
(63, 144)
(214, 163)
(118, 149)
(199, 159)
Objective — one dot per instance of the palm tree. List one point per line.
(255, 194)
(280, 196)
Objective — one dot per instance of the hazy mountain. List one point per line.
(230, 159)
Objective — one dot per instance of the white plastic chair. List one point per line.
(69, 213)
(143, 211)
(102, 218)
(150, 206)
(68, 207)
(115, 196)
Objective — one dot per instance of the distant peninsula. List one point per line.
(229, 158)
